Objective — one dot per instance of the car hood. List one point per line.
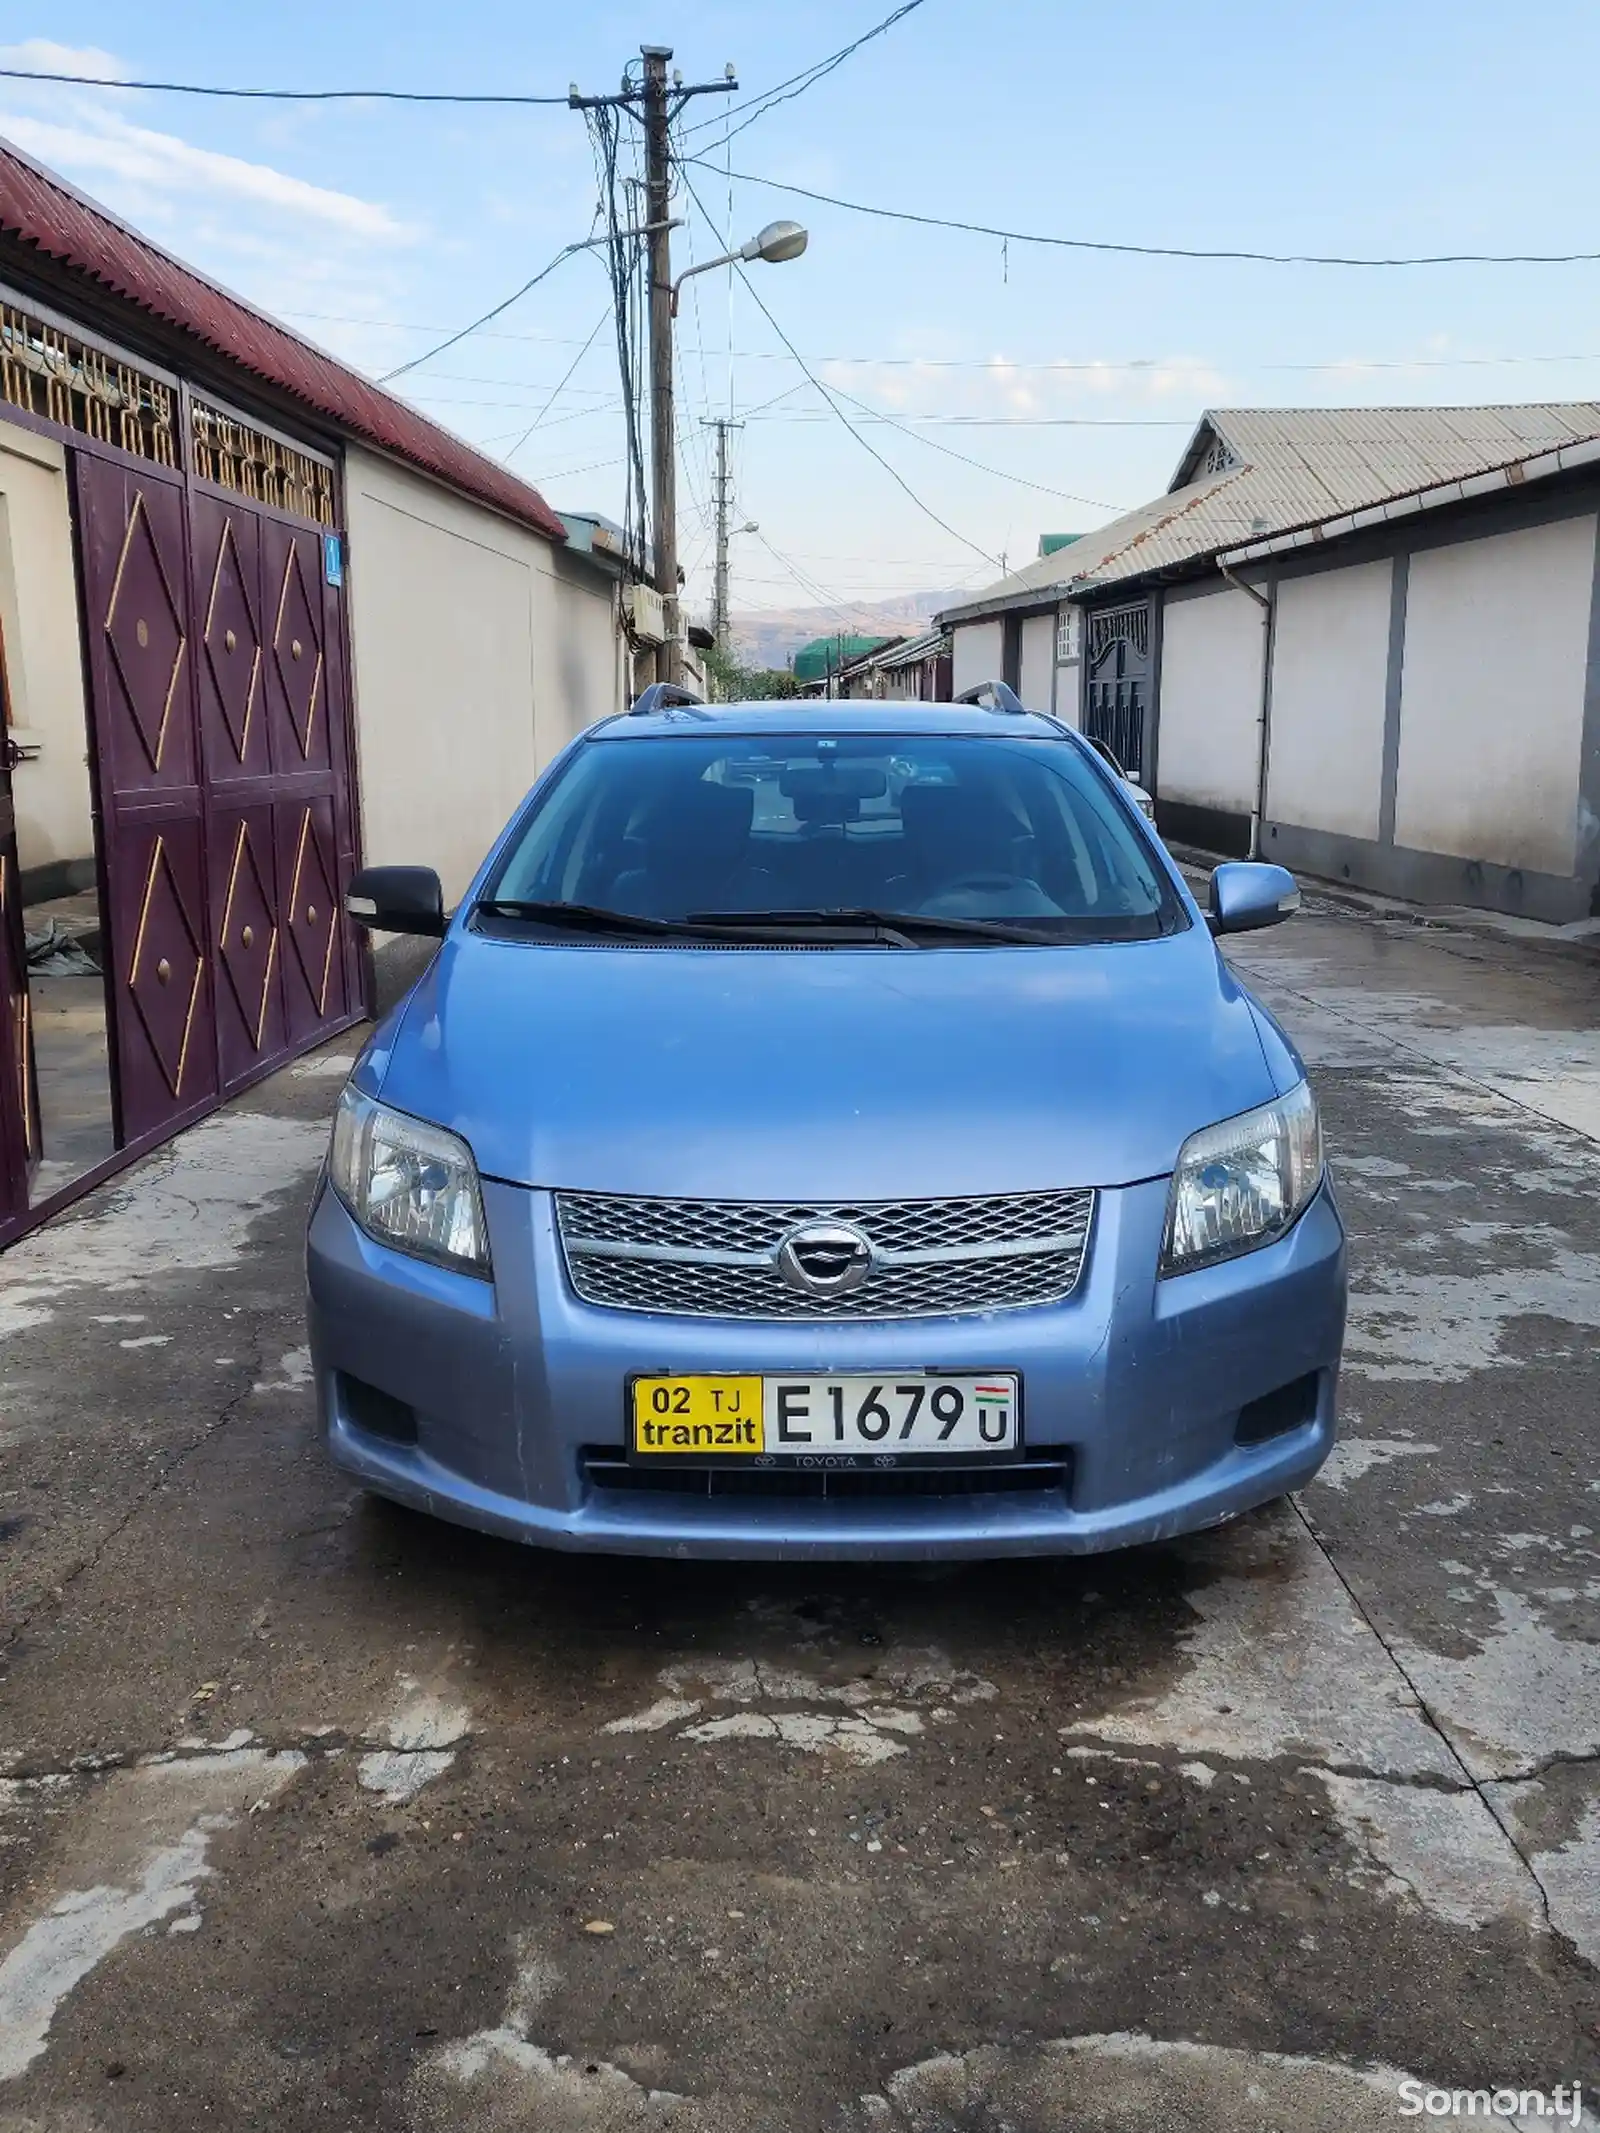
(818, 1074)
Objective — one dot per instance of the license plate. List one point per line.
(917, 1417)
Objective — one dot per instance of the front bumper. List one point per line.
(1136, 1384)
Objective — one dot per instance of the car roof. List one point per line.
(790, 715)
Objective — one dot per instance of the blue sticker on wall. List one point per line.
(333, 559)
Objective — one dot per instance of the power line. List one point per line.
(805, 582)
(1006, 422)
(1156, 251)
(600, 323)
(696, 439)
(784, 92)
(566, 252)
(590, 466)
(893, 472)
(624, 264)
(902, 362)
(529, 385)
(519, 408)
(871, 416)
(949, 452)
(282, 96)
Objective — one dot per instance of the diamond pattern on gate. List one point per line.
(232, 642)
(313, 921)
(297, 648)
(164, 975)
(247, 944)
(145, 630)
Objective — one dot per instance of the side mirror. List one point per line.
(397, 900)
(1248, 894)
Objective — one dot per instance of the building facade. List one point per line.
(258, 619)
(1357, 641)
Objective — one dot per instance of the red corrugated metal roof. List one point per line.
(60, 223)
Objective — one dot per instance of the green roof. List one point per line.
(826, 655)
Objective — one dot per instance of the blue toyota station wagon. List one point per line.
(828, 1131)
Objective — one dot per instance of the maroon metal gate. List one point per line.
(19, 1111)
(218, 690)
(132, 534)
(272, 711)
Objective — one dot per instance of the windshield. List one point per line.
(959, 828)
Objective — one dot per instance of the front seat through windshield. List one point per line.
(674, 827)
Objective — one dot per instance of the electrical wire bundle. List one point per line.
(624, 257)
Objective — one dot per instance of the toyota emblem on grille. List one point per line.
(825, 1258)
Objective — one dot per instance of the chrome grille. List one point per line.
(718, 1258)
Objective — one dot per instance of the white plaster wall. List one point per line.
(1069, 693)
(588, 646)
(1330, 667)
(977, 649)
(474, 664)
(44, 667)
(1492, 689)
(1038, 660)
(1211, 654)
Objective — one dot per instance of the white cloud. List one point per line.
(41, 55)
(164, 164)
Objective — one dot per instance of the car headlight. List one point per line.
(1242, 1183)
(408, 1184)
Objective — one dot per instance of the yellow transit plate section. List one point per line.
(697, 1415)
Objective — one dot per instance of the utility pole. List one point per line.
(663, 441)
(654, 104)
(721, 620)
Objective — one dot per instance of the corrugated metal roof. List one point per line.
(1536, 467)
(50, 217)
(1291, 468)
(1206, 516)
(909, 652)
(1319, 461)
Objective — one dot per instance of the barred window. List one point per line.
(1129, 625)
(52, 374)
(235, 456)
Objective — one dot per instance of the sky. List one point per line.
(1072, 378)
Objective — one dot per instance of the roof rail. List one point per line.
(665, 696)
(993, 696)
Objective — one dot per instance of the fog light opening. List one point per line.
(375, 1413)
(1276, 1413)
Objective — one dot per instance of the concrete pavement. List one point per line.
(315, 1814)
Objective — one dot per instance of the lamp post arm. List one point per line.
(703, 266)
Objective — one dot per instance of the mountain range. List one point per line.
(771, 637)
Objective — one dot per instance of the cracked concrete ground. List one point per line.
(315, 1814)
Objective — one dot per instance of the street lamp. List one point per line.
(777, 242)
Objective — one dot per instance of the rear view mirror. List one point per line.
(1249, 894)
(397, 900)
(839, 781)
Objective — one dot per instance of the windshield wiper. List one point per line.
(893, 929)
(698, 926)
(907, 929)
(582, 918)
